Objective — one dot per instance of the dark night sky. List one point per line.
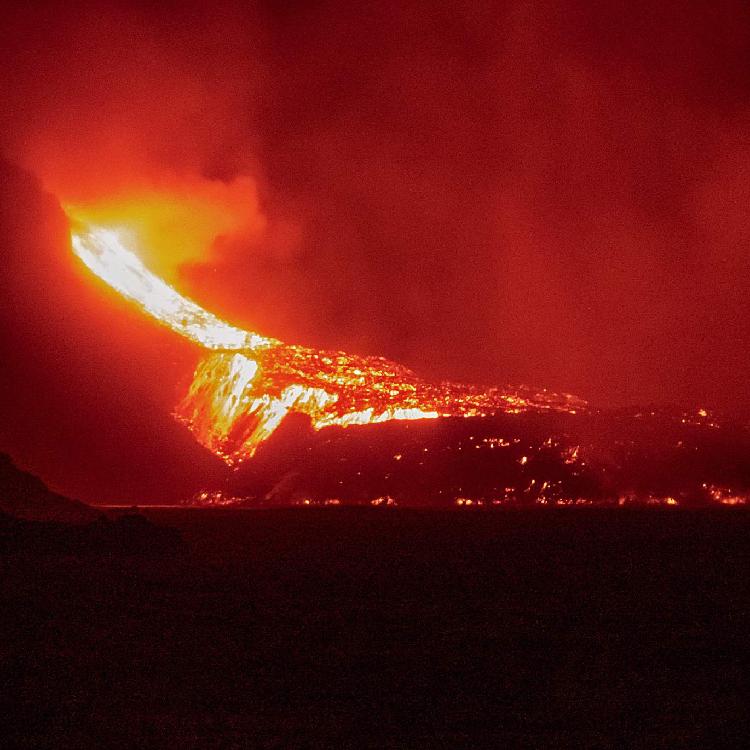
(553, 193)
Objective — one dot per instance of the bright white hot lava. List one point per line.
(104, 253)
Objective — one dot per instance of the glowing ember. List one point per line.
(245, 387)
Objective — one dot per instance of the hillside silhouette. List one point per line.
(25, 496)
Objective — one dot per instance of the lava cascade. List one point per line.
(246, 383)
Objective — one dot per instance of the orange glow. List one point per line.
(247, 384)
(175, 222)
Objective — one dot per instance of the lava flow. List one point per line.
(247, 383)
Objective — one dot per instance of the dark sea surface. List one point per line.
(385, 628)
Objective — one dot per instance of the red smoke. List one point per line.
(539, 192)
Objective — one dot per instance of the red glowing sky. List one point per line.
(552, 193)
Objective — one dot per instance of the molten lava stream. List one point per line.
(247, 383)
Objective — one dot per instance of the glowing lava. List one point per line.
(104, 253)
(248, 383)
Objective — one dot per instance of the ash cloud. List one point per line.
(524, 192)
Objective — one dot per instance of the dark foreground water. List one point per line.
(375, 628)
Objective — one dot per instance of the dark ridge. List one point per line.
(25, 496)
